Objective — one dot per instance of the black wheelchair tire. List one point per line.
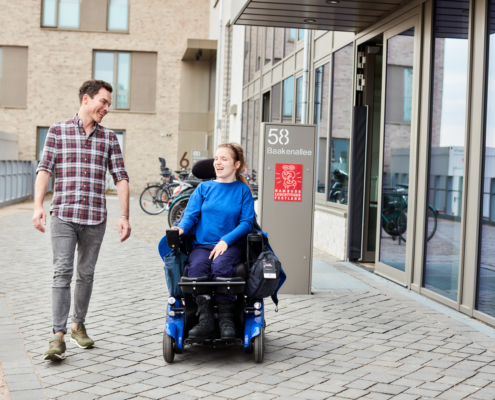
(176, 211)
(168, 348)
(259, 347)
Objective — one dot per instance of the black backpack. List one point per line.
(263, 276)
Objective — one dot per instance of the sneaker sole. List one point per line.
(72, 340)
(54, 357)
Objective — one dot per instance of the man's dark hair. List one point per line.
(92, 87)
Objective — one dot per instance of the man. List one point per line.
(79, 150)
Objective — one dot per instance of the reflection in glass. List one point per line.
(123, 77)
(269, 45)
(247, 37)
(322, 92)
(104, 62)
(276, 97)
(486, 269)
(341, 124)
(278, 45)
(446, 159)
(290, 40)
(49, 13)
(298, 99)
(288, 99)
(118, 15)
(301, 33)
(244, 129)
(256, 134)
(42, 133)
(396, 149)
(68, 14)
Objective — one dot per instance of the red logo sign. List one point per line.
(288, 182)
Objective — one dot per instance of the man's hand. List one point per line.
(219, 249)
(38, 216)
(181, 231)
(124, 229)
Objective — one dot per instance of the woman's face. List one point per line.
(224, 163)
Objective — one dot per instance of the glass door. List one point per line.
(398, 128)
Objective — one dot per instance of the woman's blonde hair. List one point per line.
(238, 155)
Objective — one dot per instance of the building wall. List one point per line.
(330, 233)
(60, 60)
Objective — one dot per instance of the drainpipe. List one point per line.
(305, 82)
(217, 132)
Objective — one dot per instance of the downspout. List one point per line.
(217, 129)
(305, 82)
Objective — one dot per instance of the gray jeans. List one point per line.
(65, 236)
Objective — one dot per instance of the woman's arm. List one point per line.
(245, 225)
(192, 211)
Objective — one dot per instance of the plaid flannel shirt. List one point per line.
(80, 164)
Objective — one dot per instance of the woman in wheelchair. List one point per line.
(222, 213)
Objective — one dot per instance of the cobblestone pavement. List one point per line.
(373, 343)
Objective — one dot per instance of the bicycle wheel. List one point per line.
(175, 213)
(432, 222)
(402, 224)
(151, 200)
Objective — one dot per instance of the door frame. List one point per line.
(401, 277)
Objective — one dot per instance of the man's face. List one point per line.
(98, 106)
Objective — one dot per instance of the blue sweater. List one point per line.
(220, 211)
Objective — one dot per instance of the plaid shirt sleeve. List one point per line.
(116, 161)
(49, 151)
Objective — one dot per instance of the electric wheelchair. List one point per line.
(248, 313)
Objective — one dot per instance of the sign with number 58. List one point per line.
(276, 136)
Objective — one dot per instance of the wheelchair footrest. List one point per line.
(214, 342)
(202, 285)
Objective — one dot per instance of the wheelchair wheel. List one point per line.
(168, 348)
(259, 347)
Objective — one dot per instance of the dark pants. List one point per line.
(224, 266)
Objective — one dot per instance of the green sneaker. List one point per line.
(56, 349)
(80, 337)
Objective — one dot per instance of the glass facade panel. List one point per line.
(299, 94)
(248, 147)
(244, 130)
(123, 79)
(256, 136)
(42, 133)
(288, 99)
(258, 48)
(446, 158)
(252, 53)
(278, 45)
(269, 45)
(396, 149)
(118, 15)
(68, 14)
(301, 33)
(49, 13)
(276, 97)
(342, 80)
(104, 67)
(247, 37)
(486, 267)
(290, 41)
(322, 93)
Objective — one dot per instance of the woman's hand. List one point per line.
(181, 231)
(219, 249)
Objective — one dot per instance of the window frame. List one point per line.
(128, 18)
(57, 2)
(114, 107)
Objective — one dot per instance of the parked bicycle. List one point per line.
(394, 214)
(338, 191)
(154, 198)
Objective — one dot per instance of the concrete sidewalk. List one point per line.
(357, 337)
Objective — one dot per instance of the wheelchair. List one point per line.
(248, 313)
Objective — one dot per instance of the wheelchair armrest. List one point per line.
(255, 237)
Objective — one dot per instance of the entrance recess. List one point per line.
(397, 128)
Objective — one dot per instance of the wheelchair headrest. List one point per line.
(162, 162)
(204, 169)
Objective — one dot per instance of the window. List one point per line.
(95, 15)
(276, 98)
(290, 40)
(399, 102)
(252, 52)
(321, 121)
(288, 99)
(269, 45)
(301, 33)
(13, 76)
(244, 129)
(213, 84)
(299, 99)
(278, 45)
(42, 133)
(118, 15)
(134, 87)
(253, 165)
(247, 38)
(340, 125)
(446, 153)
